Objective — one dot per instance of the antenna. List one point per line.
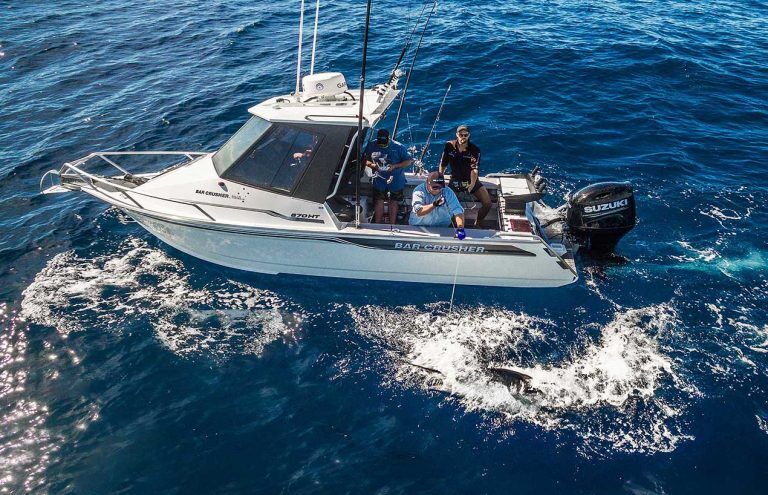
(360, 117)
(298, 63)
(314, 39)
(410, 71)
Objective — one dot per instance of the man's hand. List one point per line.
(438, 202)
(372, 165)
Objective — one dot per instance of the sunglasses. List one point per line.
(437, 185)
(464, 134)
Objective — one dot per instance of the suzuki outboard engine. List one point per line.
(600, 214)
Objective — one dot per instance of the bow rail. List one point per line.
(74, 176)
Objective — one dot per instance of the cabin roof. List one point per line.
(286, 108)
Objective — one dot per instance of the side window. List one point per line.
(278, 160)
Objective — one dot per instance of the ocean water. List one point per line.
(129, 367)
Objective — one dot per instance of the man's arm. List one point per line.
(405, 158)
(418, 204)
(459, 221)
(452, 202)
(454, 206)
(367, 159)
(474, 175)
(403, 164)
(444, 158)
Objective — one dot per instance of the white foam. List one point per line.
(707, 255)
(137, 281)
(762, 423)
(595, 390)
(709, 259)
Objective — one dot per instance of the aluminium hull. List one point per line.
(348, 254)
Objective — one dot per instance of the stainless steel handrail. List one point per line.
(343, 167)
(74, 169)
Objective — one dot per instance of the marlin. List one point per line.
(516, 381)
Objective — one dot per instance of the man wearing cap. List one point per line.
(436, 206)
(463, 157)
(388, 159)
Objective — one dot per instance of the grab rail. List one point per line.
(74, 169)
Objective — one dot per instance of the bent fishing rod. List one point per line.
(434, 124)
(407, 43)
(410, 71)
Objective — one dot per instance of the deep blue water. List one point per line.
(127, 366)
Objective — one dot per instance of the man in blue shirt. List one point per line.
(388, 159)
(436, 206)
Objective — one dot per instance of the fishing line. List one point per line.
(410, 127)
(455, 276)
(455, 272)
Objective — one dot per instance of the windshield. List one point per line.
(268, 155)
(238, 144)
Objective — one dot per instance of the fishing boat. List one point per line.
(287, 194)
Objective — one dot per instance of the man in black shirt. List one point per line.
(463, 157)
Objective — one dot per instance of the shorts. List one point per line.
(459, 187)
(388, 195)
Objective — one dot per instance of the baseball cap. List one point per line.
(382, 137)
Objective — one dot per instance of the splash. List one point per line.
(710, 260)
(140, 284)
(762, 421)
(723, 215)
(706, 255)
(617, 389)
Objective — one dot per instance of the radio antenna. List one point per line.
(298, 62)
(314, 39)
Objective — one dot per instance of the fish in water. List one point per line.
(516, 381)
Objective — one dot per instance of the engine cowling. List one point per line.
(599, 215)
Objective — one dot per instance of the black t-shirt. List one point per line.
(460, 162)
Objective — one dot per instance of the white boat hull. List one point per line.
(352, 255)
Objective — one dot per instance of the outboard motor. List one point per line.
(599, 215)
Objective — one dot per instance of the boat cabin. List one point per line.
(306, 148)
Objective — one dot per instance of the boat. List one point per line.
(286, 195)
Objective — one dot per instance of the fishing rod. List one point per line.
(407, 44)
(434, 124)
(410, 71)
(360, 116)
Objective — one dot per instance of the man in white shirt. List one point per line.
(434, 205)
